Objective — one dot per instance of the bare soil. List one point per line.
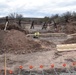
(21, 50)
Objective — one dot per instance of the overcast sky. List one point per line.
(36, 8)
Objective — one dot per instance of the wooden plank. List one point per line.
(66, 47)
(49, 35)
(68, 74)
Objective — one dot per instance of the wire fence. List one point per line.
(52, 71)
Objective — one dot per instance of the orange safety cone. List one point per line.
(74, 63)
(10, 72)
(52, 65)
(64, 65)
(21, 67)
(31, 67)
(41, 66)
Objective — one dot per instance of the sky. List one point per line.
(36, 8)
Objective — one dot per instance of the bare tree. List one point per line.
(12, 15)
(15, 16)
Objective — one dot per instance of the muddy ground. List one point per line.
(45, 58)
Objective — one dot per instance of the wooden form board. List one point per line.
(66, 47)
(49, 35)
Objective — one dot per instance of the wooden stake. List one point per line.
(5, 64)
(6, 26)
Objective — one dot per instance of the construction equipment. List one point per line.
(36, 35)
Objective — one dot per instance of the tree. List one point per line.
(19, 16)
(15, 16)
(54, 16)
(12, 15)
(74, 15)
(67, 16)
(46, 19)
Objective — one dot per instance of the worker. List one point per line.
(44, 25)
(32, 25)
(20, 22)
(6, 22)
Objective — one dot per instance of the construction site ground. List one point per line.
(44, 54)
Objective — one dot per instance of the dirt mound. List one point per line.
(69, 41)
(15, 41)
(70, 29)
(13, 26)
